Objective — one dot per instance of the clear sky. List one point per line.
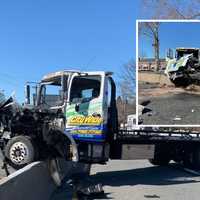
(172, 35)
(41, 36)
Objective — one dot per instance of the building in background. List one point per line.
(149, 64)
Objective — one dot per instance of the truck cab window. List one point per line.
(85, 88)
(53, 95)
(50, 94)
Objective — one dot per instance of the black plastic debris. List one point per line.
(90, 190)
(145, 102)
(87, 187)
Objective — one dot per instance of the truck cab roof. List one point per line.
(56, 75)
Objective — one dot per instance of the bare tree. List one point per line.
(151, 30)
(170, 9)
(165, 9)
(127, 81)
(126, 100)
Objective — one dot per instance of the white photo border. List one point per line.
(137, 116)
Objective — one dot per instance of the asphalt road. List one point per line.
(171, 109)
(138, 180)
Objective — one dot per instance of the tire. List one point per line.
(181, 82)
(161, 156)
(195, 161)
(20, 151)
(81, 169)
(54, 170)
(61, 170)
(187, 160)
(159, 162)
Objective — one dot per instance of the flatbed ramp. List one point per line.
(32, 182)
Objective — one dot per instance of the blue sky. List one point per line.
(38, 37)
(172, 35)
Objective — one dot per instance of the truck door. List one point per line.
(84, 111)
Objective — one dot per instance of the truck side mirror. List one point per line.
(170, 54)
(27, 94)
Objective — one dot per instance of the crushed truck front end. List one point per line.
(185, 63)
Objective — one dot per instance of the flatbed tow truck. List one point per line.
(73, 115)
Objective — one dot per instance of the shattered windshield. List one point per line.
(51, 93)
(85, 88)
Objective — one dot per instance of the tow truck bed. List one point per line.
(151, 136)
(141, 144)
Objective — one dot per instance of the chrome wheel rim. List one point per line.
(19, 153)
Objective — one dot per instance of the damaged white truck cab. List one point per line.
(180, 69)
(84, 99)
(87, 102)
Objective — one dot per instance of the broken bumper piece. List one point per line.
(89, 190)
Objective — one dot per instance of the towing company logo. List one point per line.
(85, 120)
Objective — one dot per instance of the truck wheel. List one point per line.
(81, 169)
(54, 169)
(195, 161)
(160, 162)
(187, 160)
(20, 151)
(161, 156)
(62, 170)
(181, 82)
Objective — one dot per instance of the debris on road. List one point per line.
(145, 102)
(168, 106)
(151, 196)
(177, 118)
(85, 186)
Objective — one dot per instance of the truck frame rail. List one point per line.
(151, 136)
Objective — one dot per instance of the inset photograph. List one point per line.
(168, 72)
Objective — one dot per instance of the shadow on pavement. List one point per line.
(95, 197)
(155, 175)
(66, 193)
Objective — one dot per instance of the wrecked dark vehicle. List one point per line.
(184, 68)
(28, 134)
(33, 131)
